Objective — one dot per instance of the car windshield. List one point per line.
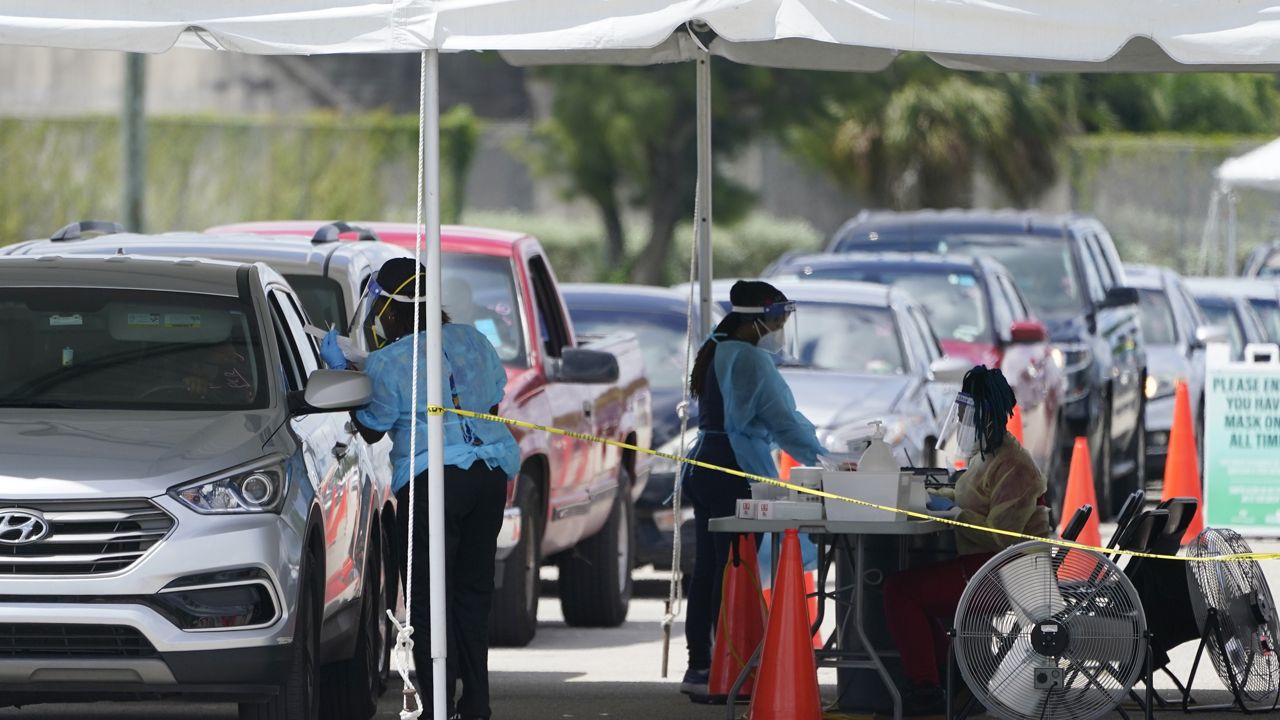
(847, 338)
(1157, 318)
(1222, 314)
(322, 299)
(661, 336)
(1042, 267)
(480, 290)
(102, 348)
(954, 302)
(1269, 313)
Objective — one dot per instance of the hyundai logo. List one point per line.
(22, 527)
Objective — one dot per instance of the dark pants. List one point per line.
(713, 494)
(473, 502)
(920, 605)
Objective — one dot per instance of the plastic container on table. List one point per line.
(877, 480)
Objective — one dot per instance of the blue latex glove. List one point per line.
(938, 502)
(331, 353)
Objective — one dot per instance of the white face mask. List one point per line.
(772, 341)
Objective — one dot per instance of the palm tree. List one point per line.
(920, 142)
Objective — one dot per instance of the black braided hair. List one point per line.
(752, 293)
(993, 402)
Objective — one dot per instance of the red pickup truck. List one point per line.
(574, 499)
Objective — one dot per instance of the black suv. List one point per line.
(1068, 270)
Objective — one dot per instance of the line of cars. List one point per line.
(1092, 347)
(901, 304)
(1043, 297)
(184, 508)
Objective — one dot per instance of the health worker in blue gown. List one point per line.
(745, 410)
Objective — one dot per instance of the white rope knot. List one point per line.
(682, 409)
(411, 707)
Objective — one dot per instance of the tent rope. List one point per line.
(675, 592)
(411, 705)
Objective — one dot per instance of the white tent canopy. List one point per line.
(1043, 35)
(1259, 169)
(1013, 35)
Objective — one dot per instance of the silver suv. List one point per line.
(328, 274)
(182, 508)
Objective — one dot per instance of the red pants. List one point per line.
(920, 605)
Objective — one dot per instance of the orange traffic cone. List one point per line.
(740, 628)
(1014, 426)
(785, 463)
(1182, 466)
(787, 681)
(810, 592)
(1080, 491)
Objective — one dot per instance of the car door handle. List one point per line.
(340, 450)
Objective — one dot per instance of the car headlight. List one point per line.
(1075, 356)
(257, 488)
(1158, 386)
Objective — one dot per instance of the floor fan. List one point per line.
(1237, 619)
(1043, 633)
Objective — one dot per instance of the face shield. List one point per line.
(959, 434)
(374, 302)
(771, 321)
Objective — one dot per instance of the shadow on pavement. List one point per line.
(556, 696)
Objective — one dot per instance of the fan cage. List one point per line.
(1009, 627)
(1245, 658)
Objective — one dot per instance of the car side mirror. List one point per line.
(1028, 332)
(1120, 297)
(331, 391)
(1209, 334)
(578, 365)
(949, 369)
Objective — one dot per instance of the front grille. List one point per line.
(86, 537)
(23, 640)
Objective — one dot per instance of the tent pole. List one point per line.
(704, 194)
(135, 145)
(1231, 233)
(435, 393)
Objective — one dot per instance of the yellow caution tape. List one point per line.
(1235, 557)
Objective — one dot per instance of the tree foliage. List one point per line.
(626, 138)
(914, 135)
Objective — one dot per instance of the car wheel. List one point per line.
(351, 687)
(595, 577)
(298, 697)
(513, 619)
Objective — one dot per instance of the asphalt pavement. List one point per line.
(569, 673)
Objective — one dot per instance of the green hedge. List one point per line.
(205, 171)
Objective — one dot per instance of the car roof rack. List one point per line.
(334, 230)
(76, 230)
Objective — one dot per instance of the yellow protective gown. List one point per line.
(1001, 491)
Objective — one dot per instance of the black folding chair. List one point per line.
(1140, 535)
(1128, 512)
(1182, 510)
(1078, 520)
(1162, 586)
